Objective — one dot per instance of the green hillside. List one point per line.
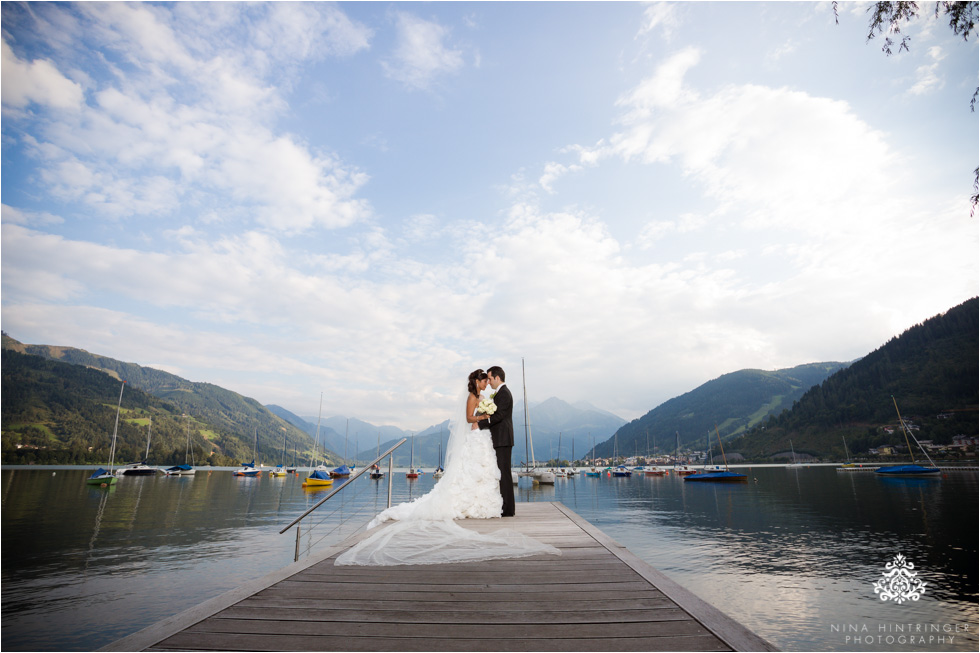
(931, 370)
(733, 402)
(55, 398)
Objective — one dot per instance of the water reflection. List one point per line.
(789, 554)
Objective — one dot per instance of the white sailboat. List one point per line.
(280, 470)
(538, 476)
(185, 469)
(141, 468)
(102, 477)
(412, 472)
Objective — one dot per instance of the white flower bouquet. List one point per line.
(486, 407)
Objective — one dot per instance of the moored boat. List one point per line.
(723, 476)
(103, 477)
(137, 469)
(622, 471)
(247, 469)
(908, 470)
(914, 469)
(318, 478)
(715, 473)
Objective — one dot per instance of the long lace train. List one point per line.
(437, 542)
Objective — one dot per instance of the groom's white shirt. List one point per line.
(494, 392)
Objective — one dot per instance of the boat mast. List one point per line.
(908, 432)
(722, 447)
(528, 440)
(149, 430)
(115, 431)
(316, 440)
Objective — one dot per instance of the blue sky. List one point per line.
(373, 199)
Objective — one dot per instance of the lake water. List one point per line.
(794, 554)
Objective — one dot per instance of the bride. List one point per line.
(470, 488)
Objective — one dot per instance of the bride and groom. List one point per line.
(477, 484)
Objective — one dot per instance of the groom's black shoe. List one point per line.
(507, 515)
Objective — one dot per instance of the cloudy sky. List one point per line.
(372, 199)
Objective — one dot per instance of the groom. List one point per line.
(501, 425)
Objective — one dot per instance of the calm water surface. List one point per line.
(794, 554)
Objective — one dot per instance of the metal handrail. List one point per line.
(319, 503)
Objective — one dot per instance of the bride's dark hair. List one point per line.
(475, 375)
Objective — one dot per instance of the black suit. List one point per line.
(501, 425)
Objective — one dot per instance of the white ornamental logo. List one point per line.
(899, 583)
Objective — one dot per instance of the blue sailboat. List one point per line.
(914, 469)
(717, 476)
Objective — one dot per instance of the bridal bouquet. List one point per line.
(487, 407)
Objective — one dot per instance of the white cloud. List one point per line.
(147, 146)
(927, 78)
(662, 15)
(38, 81)
(420, 55)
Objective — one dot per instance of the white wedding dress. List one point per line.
(426, 533)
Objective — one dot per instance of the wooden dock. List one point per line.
(596, 597)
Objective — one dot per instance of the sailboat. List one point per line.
(438, 473)
(280, 470)
(185, 469)
(538, 476)
(376, 472)
(619, 470)
(249, 469)
(412, 472)
(725, 476)
(343, 471)
(914, 469)
(680, 470)
(102, 477)
(141, 468)
(850, 466)
(593, 473)
(319, 475)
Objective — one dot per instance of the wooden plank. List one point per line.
(580, 603)
(469, 630)
(197, 642)
(453, 577)
(316, 593)
(667, 611)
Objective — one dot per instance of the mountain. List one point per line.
(329, 438)
(227, 423)
(931, 370)
(733, 402)
(550, 419)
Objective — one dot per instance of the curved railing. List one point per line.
(335, 491)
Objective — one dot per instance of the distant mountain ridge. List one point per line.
(228, 419)
(733, 402)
